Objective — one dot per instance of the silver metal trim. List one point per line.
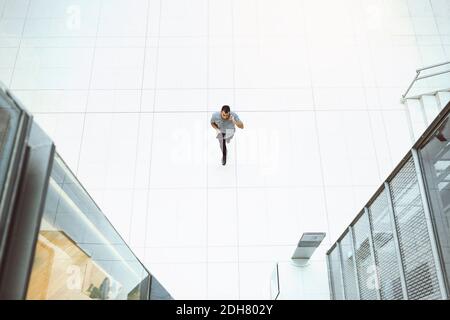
(411, 84)
(424, 113)
(433, 66)
(410, 126)
(432, 75)
(396, 241)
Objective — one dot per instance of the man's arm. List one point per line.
(238, 123)
(215, 126)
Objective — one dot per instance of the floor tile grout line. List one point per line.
(89, 87)
(441, 36)
(228, 261)
(19, 46)
(316, 126)
(272, 88)
(377, 87)
(130, 229)
(207, 112)
(233, 53)
(365, 103)
(368, 113)
(198, 37)
(147, 206)
(181, 36)
(207, 150)
(217, 246)
(245, 187)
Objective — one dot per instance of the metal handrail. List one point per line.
(433, 66)
(418, 77)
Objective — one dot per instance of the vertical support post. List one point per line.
(410, 86)
(330, 278)
(352, 241)
(430, 226)
(342, 270)
(372, 252)
(396, 241)
(410, 126)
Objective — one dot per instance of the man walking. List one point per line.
(224, 122)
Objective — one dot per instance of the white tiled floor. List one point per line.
(126, 89)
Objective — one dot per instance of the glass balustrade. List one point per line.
(79, 255)
(55, 242)
(401, 248)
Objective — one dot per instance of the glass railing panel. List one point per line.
(435, 156)
(336, 274)
(415, 244)
(348, 267)
(9, 126)
(364, 260)
(385, 251)
(409, 219)
(79, 255)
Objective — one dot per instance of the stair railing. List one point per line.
(419, 77)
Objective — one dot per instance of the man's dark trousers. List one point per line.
(222, 142)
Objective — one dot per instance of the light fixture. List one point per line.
(308, 243)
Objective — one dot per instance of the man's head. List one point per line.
(225, 113)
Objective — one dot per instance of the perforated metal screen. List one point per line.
(348, 268)
(334, 259)
(390, 250)
(385, 250)
(364, 260)
(415, 245)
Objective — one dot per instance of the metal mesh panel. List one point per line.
(364, 259)
(348, 268)
(336, 275)
(385, 250)
(415, 246)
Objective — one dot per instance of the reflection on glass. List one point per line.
(79, 255)
(415, 245)
(436, 164)
(364, 260)
(9, 118)
(385, 250)
(348, 267)
(336, 274)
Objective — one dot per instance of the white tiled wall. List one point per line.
(126, 89)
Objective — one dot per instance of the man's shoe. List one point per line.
(224, 160)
